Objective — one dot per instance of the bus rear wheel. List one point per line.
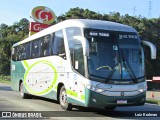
(63, 99)
(23, 95)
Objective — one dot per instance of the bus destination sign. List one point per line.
(98, 33)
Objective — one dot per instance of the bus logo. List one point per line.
(43, 15)
(6, 114)
(36, 27)
(122, 94)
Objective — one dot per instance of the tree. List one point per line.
(8, 36)
(148, 29)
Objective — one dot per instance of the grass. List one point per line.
(5, 79)
(153, 101)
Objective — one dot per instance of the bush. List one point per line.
(152, 101)
(5, 79)
(153, 86)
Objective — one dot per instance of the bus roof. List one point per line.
(100, 24)
(82, 23)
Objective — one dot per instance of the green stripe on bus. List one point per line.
(72, 93)
(82, 97)
(75, 94)
(25, 64)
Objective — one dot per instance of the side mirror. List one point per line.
(152, 48)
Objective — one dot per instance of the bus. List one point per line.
(89, 63)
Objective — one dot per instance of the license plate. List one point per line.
(121, 101)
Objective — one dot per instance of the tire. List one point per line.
(110, 108)
(23, 95)
(63, 99)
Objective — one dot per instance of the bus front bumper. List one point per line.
(94, 99)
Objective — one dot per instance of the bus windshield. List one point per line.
(115, 56)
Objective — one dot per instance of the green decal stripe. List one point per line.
(75, 94)
(25, 64)
(72, 93)
(82, 97)
(50, 87)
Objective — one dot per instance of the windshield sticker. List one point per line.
(115, 47)
(128, 37)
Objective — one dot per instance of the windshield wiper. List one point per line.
(122, 61)
(111, 73)
(129, 68)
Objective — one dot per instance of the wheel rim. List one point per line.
(63, 98)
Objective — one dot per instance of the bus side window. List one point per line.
(14, 54)
(45, 46)
(27, 51)
(17, 53)
(22, 54)
(35, 49)
(58, 47)
(78, 58)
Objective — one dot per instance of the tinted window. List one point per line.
(76, 49)
(78, 57)
(15, 55)
(41, 47)
(45, 51)
(35, 49)
(73, 31)
(21, 52)
(27, 50)
(58, 47)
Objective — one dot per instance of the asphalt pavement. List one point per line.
(13, 105)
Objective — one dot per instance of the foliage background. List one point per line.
(148, 29)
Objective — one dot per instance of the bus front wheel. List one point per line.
(63, 99)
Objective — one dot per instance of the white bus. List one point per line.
(89, 63)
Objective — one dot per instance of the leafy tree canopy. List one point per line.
(148, 29)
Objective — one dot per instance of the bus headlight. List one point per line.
(93, 88)
(142, 88)
(90, 87)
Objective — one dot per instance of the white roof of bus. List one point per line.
(82, 23)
